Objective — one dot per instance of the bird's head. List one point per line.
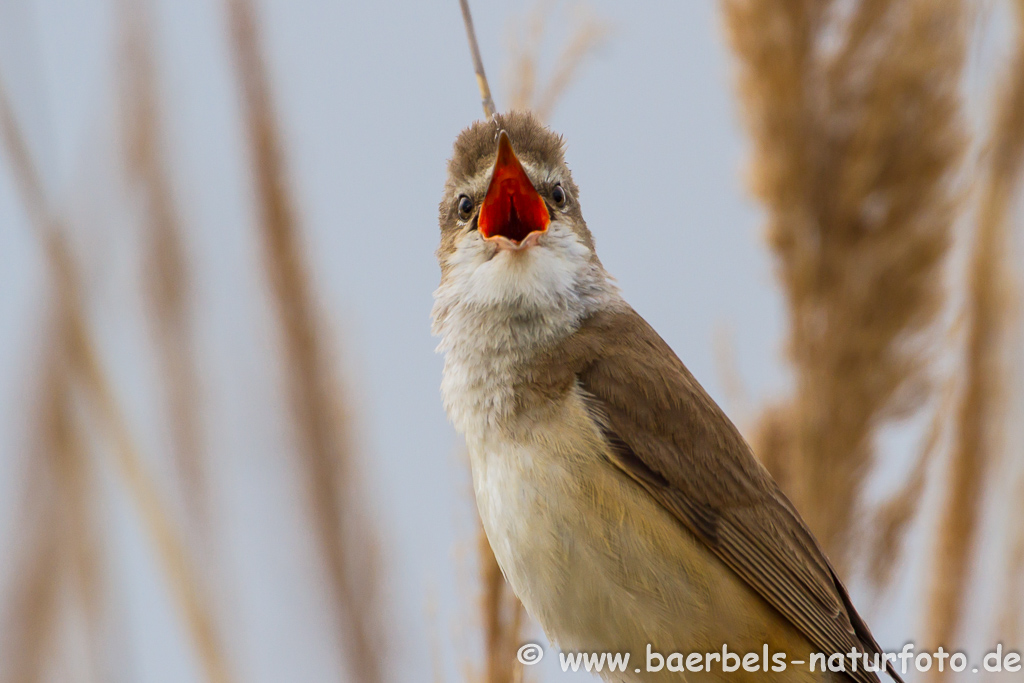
(512, 232)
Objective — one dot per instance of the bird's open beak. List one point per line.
(513, 213)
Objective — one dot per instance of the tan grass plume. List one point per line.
(858, 134)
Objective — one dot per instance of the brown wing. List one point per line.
(669, 436)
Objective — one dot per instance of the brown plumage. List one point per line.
(598, 458)
(670, 436)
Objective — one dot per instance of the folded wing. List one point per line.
(669, 436)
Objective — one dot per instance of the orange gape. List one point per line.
(512, 207)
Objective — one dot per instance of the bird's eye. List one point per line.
(465, 207)
(558, 195)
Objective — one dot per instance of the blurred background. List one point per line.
(223, 456)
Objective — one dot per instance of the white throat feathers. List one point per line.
(496, 308)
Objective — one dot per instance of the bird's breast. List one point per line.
(598, 562)
(593, 558)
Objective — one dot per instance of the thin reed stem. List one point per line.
(478, 63)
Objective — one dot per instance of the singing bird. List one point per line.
(624, 508)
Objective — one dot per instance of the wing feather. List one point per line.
(667, 434)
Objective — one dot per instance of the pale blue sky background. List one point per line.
(371, 96)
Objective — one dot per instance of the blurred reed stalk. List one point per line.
(341, 521)
(168, 278)
(502, 620)
(856, 118)
(31, 614)
(980, 415)
(61, 448)
(1010, 624)
(72, 469)
(30, 620)
(85, 369)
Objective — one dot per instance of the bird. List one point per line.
(625, 510)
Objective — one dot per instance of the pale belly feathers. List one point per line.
(600, 564)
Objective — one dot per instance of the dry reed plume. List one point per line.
(85, 370)
(979, 418)
(340, 519)
(855, 115)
